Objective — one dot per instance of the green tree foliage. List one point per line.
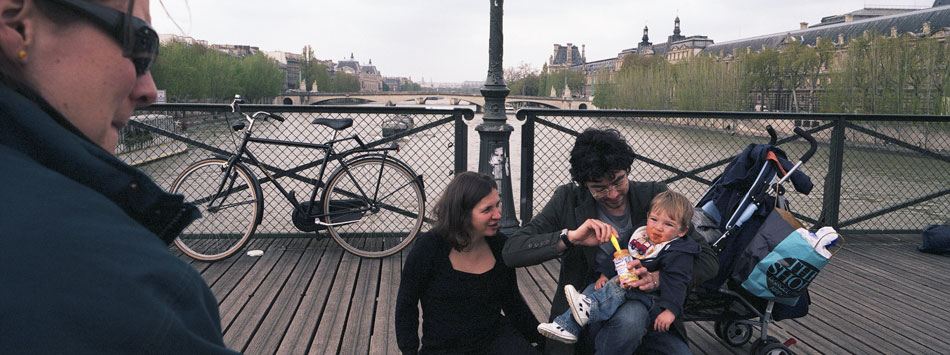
(313, 72)
(546, 80)
(260, 77)
(192, 73)
(652, 83)
(883, 74)
(870, 74)
(343, 82)
(526, 86)
(702, 84)
(523, 80)
(410, 86)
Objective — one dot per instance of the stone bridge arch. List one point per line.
(421, 98)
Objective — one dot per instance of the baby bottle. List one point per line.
(621, 258)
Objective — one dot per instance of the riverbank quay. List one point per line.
(878, 295)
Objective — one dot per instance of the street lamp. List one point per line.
(493, 157)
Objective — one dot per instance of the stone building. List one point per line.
(290, 64)
(565, 57)
(370, 78)
(928, 22)
(236, 50)
(933, 22)
(676, 48)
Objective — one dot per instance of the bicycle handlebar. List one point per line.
(236, 104)
(773, 137)
(236, 108)
(260, 114)
(811, 141)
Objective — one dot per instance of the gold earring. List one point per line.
(22, 54)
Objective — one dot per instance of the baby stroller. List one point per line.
(731, 213)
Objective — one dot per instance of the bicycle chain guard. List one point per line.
(307, 223)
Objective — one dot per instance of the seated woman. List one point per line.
(456, 272)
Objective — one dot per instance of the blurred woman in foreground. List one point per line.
(85, 265)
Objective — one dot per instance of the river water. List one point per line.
(872, 180)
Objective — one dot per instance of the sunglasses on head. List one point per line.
(139, 41)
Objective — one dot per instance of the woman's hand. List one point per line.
(663, 321)
(592, 233)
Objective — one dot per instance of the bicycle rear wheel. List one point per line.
(369, 219)
(229, 214)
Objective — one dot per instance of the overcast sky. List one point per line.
(447, 40)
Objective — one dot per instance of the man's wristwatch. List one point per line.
(567, 242)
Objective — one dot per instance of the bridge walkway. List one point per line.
(878, 295)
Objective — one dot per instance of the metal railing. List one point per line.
(169, 137)
(872, 173)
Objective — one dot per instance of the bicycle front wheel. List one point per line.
(229, 201)
(374, 206)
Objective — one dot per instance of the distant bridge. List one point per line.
(420, 98)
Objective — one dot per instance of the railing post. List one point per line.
(527, 168)
(493, 157)
(832, 195)
(461, 143)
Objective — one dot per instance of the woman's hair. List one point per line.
(598, 153)
(453, 210)
(674, 205)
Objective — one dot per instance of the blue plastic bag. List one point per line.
(785, 273)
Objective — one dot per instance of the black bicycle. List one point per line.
(373, 204)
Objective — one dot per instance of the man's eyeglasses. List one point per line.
(139, 41)
(603, 191)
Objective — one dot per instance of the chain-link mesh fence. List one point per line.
(893, 175)
(165, 139)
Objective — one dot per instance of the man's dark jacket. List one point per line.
(83, 270)
(570, 206)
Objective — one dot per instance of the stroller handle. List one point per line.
(811, 141)
(773, 137)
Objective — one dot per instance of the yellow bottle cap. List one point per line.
(613, 239)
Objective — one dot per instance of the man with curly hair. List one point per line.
(581, 216)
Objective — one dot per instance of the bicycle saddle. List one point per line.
(337, 124)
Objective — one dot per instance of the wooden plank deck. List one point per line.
(308, 296)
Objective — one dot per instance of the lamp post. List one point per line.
(493, 133)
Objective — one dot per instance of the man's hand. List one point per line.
(648, 281)
(592, 233)
(663, 321)
(601, 281)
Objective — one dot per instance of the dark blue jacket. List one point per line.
(675, 263)
(83, 268)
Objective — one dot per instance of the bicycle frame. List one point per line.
(243, 153)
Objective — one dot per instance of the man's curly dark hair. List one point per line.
(599, 152)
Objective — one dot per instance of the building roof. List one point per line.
(861, 15)
(561, 56)
(369, 69)
(909, 22)
(355, 65)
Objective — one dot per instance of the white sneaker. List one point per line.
(580, 305)
(556, 332)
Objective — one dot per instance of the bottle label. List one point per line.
(623, 274)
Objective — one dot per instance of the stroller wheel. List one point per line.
(774, 349)
(758, 343)
(719, 327)
(736, 334)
